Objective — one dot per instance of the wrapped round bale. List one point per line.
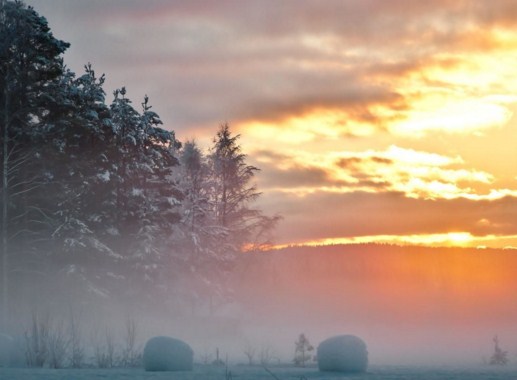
(343, 353)
(163, 353)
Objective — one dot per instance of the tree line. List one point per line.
(98, 197)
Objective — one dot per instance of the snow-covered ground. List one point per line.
(258, 373)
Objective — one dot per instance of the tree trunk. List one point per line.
(5, 202)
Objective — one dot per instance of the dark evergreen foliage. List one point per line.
(30, 74)
(232, 194)
(94, 200)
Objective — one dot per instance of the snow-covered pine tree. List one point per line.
(218, 218)
(160, 216)
(30, 66)
(79, 138)
(232, 195)
(146, 199)
(199, 235)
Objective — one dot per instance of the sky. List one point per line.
(371, 121)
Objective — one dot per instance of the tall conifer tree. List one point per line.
(30, 66)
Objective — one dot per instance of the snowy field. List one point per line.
(258, 373)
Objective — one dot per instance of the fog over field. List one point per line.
(412, 305)
(244, 180)
(426, 306)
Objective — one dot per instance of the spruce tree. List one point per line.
(219, 219)
(199, 238)
(146, 199)
(232, 194)
(30, 68)
(79, 137)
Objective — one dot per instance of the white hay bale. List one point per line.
(163, 353)
(343, 353)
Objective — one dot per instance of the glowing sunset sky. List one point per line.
(372, 120)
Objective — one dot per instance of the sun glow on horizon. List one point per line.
(459, 239)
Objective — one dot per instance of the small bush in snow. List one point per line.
(343, 353)
(6, 346)
(104, 350)
(37, 341)
(302, 353)
(499, 357)
(163, 353)
(131, 355)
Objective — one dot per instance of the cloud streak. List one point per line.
(415, 174)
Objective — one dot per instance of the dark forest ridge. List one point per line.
(383, 247)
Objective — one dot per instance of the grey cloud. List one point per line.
(293, 176)
(349, 162)
(205, 62)
(353, 162)
(270, 155)
(280, 170)
(296, 176)
(381, 160)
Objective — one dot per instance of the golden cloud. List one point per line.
(416, 174)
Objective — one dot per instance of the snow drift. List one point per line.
(163, 353)
(343, 353)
